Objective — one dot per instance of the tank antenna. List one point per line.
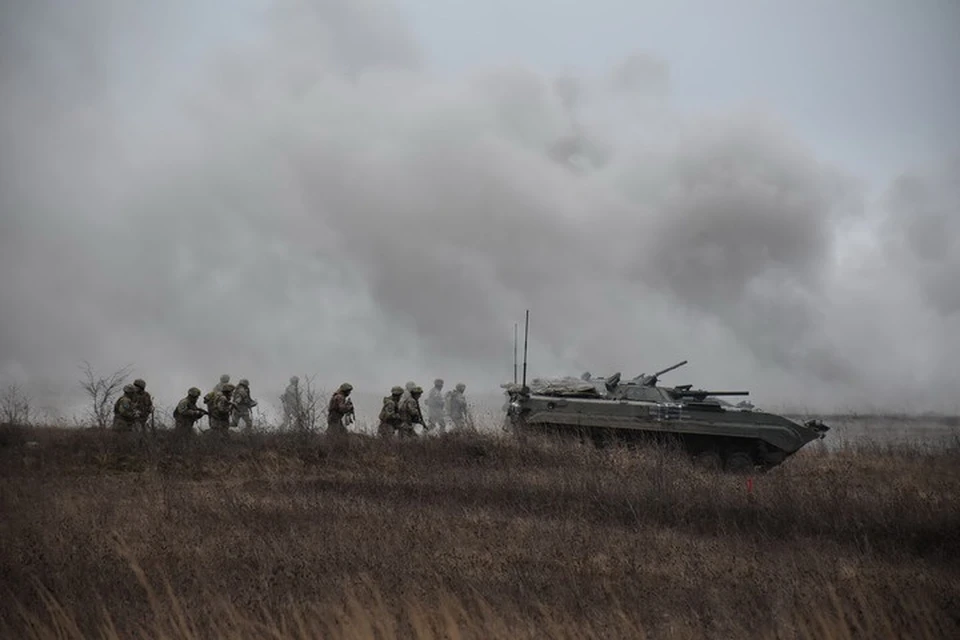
(515, 329)
(526, 332)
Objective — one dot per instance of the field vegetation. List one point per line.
(287, 535)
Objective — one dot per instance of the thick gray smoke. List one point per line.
(924, 233)
(315, 199)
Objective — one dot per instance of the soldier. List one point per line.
(291, 402)
(125, 412)
(242, 404)
(410, 413)
(224, 379)
(220, 410)
(435, 407)
(187, 413)
(340, 410)
(208, 399)
(458, 409)
(390, 413)
(144, 404)
(506, 425)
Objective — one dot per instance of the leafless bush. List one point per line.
(15, 406)
(162, 416)
(102, 392)
(308, 408)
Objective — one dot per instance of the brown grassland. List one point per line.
(285, 536)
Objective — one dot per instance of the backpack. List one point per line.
(384, 416)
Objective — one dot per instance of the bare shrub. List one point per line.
(309, 408)
(102, 390)
(15, 406)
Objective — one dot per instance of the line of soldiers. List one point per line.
(228, 405)
(401, 410)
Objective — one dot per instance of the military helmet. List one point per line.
(225, 378)
(244, 382)
(346, 386)
(438, 382)
(193, 391)
(461, 386)
(129, 388)
(139, 382)
(294, 379)
(417, 389)
(227, 388)
(410, 385)
(396, 391)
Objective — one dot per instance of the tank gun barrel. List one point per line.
(669, 369)
(652, 379)
(702, 393)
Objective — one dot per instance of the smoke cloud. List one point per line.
(315, 198)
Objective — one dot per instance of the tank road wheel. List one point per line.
(739, 462)
(708, 459)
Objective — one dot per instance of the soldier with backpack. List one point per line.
(125, 412)
(390, 418)
(187, 413)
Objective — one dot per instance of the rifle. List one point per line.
(420, 420)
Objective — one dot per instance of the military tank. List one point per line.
(716, 433)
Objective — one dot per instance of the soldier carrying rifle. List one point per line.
(187, 413)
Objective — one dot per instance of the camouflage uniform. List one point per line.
(390, 413)
(291, 402)
(187, 413)
(211, 397)
(242, 404)
(143, 402)
(208, 399)
(457, 405)
(410, 413)
(125, 412)
(340, 410)
(435, 407)
(220, 409)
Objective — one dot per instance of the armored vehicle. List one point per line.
(714, 432)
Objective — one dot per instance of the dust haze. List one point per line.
(313, 196)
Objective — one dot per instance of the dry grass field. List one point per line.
(280, 536)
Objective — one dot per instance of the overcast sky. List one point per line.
(376, 191)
